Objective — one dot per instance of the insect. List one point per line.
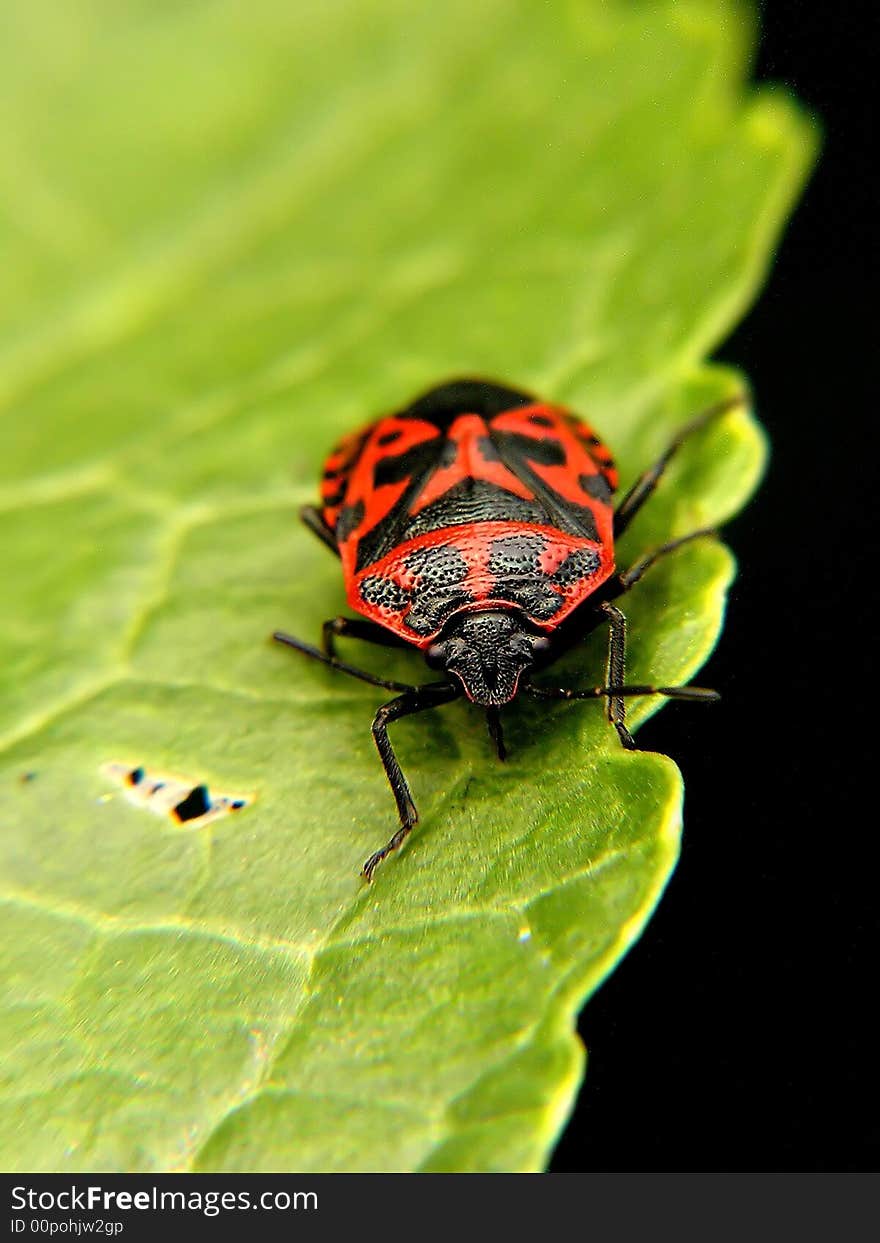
(477, 526)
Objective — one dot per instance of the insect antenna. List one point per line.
(342, 666)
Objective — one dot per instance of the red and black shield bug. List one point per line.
(476, 525)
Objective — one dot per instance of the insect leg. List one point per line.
(311, 517)
(694, 694)
(357, 628)
(619, 583)
(647, 482)
(616, 667)
(416, 700)
(307, 650)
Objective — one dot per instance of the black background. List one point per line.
(735, 1034)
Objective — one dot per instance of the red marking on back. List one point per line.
(360, 471)
(466, 433)
(354, 463)
(473, 544)
(585, 452)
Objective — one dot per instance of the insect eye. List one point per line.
(436, 655)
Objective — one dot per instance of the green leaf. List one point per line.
(231, 233)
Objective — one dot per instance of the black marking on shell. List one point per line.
(488, 449)
(413, 467)
(535, 597)
(429, 612)
(440, 567)
(596, 486)
(516, 556)
(438, 572)
(578, 565)
(443, 405)
(349, 519)
(520, 454)
(388, 438)
(515, 560)
(584, 518)
(335, 498)
(413, 463)
(544, 452)
(473, 500)
(384, 593)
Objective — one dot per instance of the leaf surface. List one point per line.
(229, 235)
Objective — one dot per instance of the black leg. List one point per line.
(313, 520)
(358, 628)
(693, 694)
(307, 650)
(616, 670)
(647, 482)
(616, 691)
(619, 583)
(416, 700)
